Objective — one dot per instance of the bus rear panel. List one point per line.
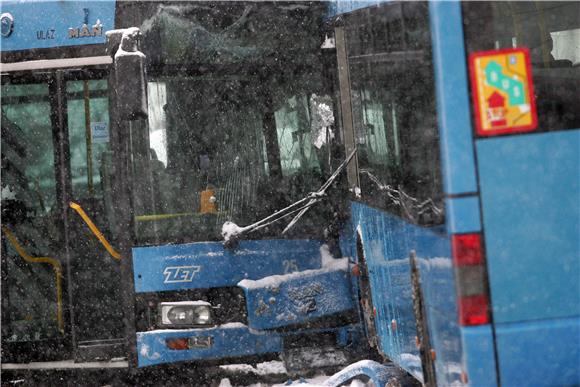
(489, 220)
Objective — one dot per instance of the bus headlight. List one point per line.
(184, 314)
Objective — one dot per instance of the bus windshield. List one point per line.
(229, 130)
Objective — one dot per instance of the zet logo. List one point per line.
(175, 274)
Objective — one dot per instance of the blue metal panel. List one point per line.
(539, 353)
(231, 340)
(387, 243)
(209, 264)
(437, 285)
(531, 214)
(45, 24)
(387, 255)
(297, 298)
(479, 358)
(337, 7)
(463, 215)
(453, 112)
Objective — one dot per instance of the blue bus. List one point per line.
(466, 203)
(125, 150)
(124, 154)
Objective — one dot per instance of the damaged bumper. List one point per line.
(275, 308)
(225, 341)
(298, 298)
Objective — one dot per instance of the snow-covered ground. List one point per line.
(277, 368)
(317, 381)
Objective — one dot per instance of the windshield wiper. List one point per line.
(231, 232)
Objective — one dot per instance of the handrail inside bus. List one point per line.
(56, 266)
(154, 217)
(95, 230)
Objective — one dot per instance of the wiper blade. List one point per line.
(322, 191)
(231, 231)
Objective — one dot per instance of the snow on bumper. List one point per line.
(297, 298)
(229, 340)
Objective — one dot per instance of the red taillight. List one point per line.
(470, 279)
(466, 249)
(473, 310)
(179, 344)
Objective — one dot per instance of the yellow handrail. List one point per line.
(155, 217)
(114, 253)
(56, 266)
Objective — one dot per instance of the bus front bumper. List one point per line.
(224, 341)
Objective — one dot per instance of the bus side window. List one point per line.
(90, 151)
(551, 32)
(393, 99)
(29, 208)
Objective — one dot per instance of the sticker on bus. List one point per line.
(503, 93)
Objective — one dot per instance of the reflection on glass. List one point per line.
(88, 126)
(28, 215)
(551, 32)
(157, 94)
(393, 101)
(213, 144)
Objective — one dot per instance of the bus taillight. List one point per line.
(470, 279)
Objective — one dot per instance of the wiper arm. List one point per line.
(231, 231)
(322, 191)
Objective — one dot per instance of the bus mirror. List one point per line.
(130, 77)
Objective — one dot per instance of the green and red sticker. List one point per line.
(503, 93)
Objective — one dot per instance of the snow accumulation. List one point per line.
(276, 280)
(187, 303)
(266, 368)
(232, 325)
(326, 258)
(316, 381)
(145, 353)
(231, 230)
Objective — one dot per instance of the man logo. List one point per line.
(175, 274)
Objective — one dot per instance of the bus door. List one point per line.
(59, 278)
